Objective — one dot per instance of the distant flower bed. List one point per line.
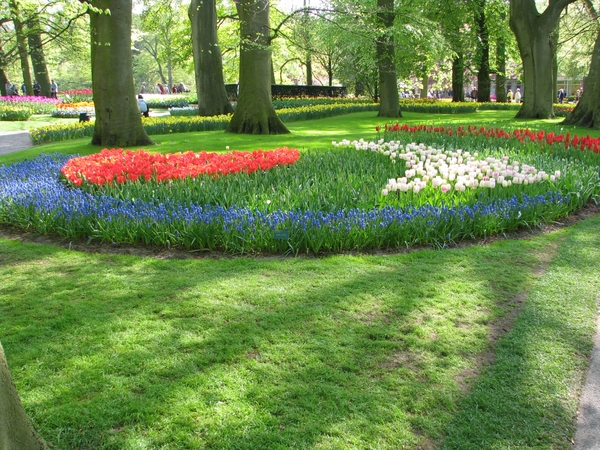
(36, 105)
(166, 125)
(73, 109)
(77, 95)
(436, 106)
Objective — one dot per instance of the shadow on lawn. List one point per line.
(126, 352)
(519, 402)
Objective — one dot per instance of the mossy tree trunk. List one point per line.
(389, 105)
(532, 31)
(587, 111)
(208, 62)
(254, 113)
(16, 429)
(118, 118)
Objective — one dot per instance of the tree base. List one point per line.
(390, 114)
(582, 117)
(256, 124)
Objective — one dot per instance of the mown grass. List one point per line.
(113, 351)
(479, 347)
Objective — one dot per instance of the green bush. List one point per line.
(167, 103)
(185, 111)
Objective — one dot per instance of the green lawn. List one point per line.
(479, 347)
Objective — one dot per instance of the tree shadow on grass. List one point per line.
(341, 352)
(528, 397)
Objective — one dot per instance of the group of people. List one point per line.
(12, 90)
(514, 98)
(164, 89)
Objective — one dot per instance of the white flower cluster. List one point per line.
(447, 170)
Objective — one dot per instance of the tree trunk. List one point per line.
(23, 51)
(118, 118)
(587, 111)
(425, 89)
(389, 105)
(17, 432)
(254, 113)
(554, 36)
(458, 78)
(483, 50)
(501, 71)
(208, 61)
(3, 79)
(38, 59)
(532, 31)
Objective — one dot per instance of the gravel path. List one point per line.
(13, 141)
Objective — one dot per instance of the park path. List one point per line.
(13, 141)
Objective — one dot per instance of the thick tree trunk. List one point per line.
(208, 61)
(16, 429)
(389, 105)
(458, 78)
(483, 50)
(532, 31)
(118, 118)
(587, 111)
(501, 71)
(38, 59)
(254, 113)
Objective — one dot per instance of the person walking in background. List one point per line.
(518, 96)
(10, 89)
(509, 96)
(37, 89)
(561, 95)
(53, 89)
(23, 88)
(143, 88)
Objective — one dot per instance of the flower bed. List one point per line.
(35, 104)
(120, 166)
(335, 200)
